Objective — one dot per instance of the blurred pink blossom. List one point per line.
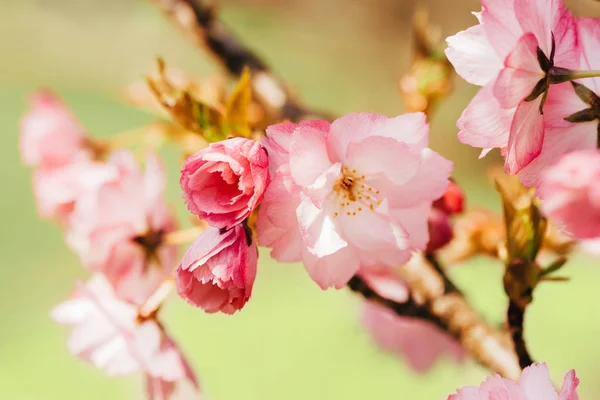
(50, 136)
(570, 193)
(501, 54)
(109, 333)
(419, 342)
(119, 228)
(358, 190)
(224, 182)
(534, 384)
(218, 270)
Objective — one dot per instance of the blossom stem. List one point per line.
(560, 75)
(182, 236)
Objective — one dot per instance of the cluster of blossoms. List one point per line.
(116, 219)
(539, 101)
(352, 198)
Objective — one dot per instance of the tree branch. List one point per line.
(197, 19)
(516, 317)
(433, 296)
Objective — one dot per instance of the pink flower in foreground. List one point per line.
(534, 384)
(119, 229)
(224, 182)
(572, 111)
(358, 190)
(419, 342)
(509, 53)
(109, 333)
(218, 270)
(50, 135)
(571, 195)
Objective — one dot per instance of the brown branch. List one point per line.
(197, 19)
(491, 348)
(434, 297)
(409, 308)
(516, 317)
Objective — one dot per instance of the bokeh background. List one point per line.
(292, 341)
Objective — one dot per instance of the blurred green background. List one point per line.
(292, 341)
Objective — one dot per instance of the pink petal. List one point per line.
(569, 388)
(521, 73)
(542, 18)
(473, 56)
(589, 37)
(414, 221)
(526, 137)
(277, 142)
(497, 388)
(308, 155)
(429, 183)
(410, 128)
(319, 230)
(501, 25)
(466, 393)
(484, 123)
(393, 159)
(536, 383)
(207, 245)
(334, 270)
(386, 282)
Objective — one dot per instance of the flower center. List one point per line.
(354, 194)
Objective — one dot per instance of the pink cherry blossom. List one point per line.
(563, 136)
(501, 54)
(419, 342)
(58, 189)
(224, 182)
(534, 384)
(358, 190)
(570, 193)
(119, 229)
(50, 135)
(110, 334)
(218, 270)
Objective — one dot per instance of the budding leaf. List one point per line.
(237, 110)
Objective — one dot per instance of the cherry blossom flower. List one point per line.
(224, 182)
(572, 110)
(50, 135)
(570, 193)
(119, 229)
(419, 342)
(534, 384)
(511, 53)
(218, 270)
(110, 334)
(356, 191)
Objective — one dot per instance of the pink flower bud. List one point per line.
(534, 384)
(224, 183)
(218, 270)
(50, 135)
(452, 202)
(440, 230)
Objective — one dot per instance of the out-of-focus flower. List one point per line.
(572, 110)
(419, 342)
(534, 384)
(50, 136)
(511, 53)
(218, 270)
(570, 193)
(224, 182)
(360, 190)
(363, 187)
(109, 333)
(119, 229)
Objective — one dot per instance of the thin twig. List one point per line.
(434, 297)
(407, 309)
(198, 20)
